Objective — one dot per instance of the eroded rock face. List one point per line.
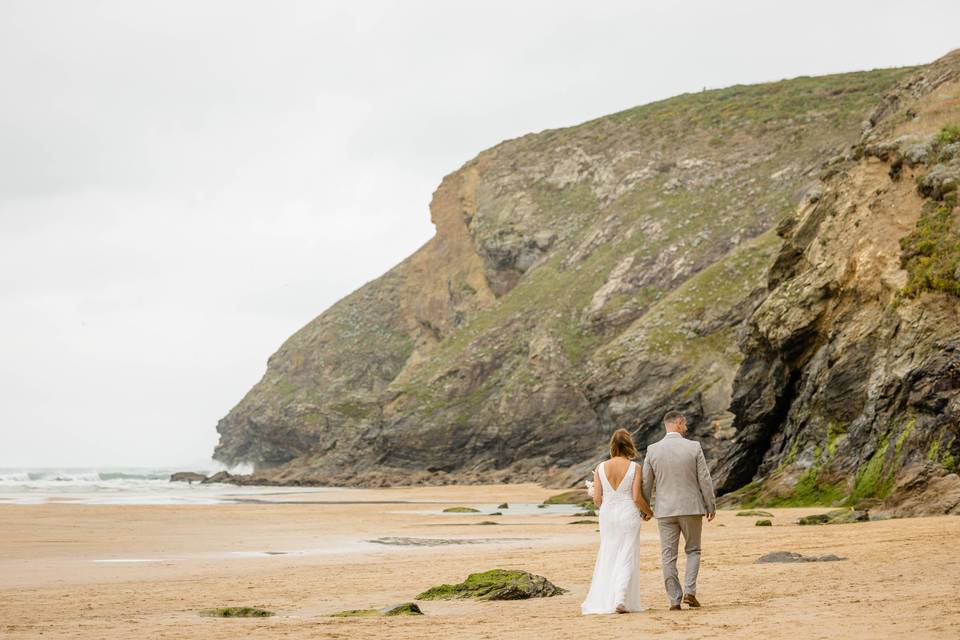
(851, 370)
(579, 280)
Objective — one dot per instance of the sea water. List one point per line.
(120, 485)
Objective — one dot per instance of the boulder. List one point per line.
(187, 476)
(497, 584)
(790, 556)
(461, 510)
(925, 489)
(838, 516)
(763, 523)
(219, 476)
(576, 496)
(756, 513)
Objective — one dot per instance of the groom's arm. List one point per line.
(646, 486)
(706, 484)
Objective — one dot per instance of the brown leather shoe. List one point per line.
(674, 607)
(691, 600)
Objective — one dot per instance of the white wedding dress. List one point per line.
(615, 575)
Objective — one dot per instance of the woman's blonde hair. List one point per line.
(621, 444)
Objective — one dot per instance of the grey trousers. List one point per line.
(670, 530)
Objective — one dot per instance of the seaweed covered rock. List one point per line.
(236, 612)
(576, 496)
(790, 556)
(838, 516)
(497, 584)
(403, 609)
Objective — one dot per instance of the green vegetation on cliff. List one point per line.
(931, 252)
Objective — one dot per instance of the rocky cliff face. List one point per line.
(580, 280)
(850, 385)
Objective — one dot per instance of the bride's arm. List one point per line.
(597, 488)
(638, 498)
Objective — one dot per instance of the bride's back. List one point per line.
(615, 470)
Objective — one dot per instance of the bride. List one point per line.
(616, 586)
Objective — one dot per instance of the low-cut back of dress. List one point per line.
(616, 572)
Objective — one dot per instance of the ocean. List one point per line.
(119, 485)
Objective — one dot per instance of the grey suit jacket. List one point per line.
(676, 469)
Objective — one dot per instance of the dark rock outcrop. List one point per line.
(187, 476)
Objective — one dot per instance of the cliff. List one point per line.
(592, 277)
(849, 390)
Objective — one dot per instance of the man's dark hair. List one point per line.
(671, 417)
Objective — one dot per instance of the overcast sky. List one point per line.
(185, 184)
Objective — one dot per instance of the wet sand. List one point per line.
(122, 571)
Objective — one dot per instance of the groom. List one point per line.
(677, 469)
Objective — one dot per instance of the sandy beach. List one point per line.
(128, 571)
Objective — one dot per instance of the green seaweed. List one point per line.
(948, 461)
(809, 491)
(835, 432)
(871, 482)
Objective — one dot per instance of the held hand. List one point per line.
(711, 516)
